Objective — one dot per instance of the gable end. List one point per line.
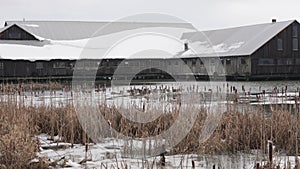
(15, 32)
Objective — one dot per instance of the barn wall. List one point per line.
(16, 33)
(269, 60)
(237, 66)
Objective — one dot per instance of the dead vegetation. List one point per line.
(237, 131)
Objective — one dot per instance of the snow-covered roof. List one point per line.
(75, 30)
(73, 40)
(238, 41)
(2, 29)
(83, 40)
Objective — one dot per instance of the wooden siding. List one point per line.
(266, 62)
(233, 66)
(269, 61)
(16, 33)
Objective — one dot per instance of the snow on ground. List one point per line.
(108, 153)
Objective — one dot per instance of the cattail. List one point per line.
(193, 164)
(270, 152)
(257, 166)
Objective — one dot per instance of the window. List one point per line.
(295, 44)
(279, 44)
(295, 31)
(153, 63)
(289, 62)
(297, 61)
(162, 64)
(39, 65)
(266, 61)
(90, 64)
(243, 61)
(228, 61)
(281, 62)
(79, 64)
(71, 65)
(143, 63)
(58, 65)
(14, 35)
(194, 62)
(114, 63)
(285, 61)
(1, 66)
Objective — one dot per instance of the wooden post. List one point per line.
(257, 166)
(270, 153)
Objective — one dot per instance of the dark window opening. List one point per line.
(153, 63)
(295, 44)
(162, 64)
(79, 64)
(295, 31)
(39, 65)
(243, 61)
(59, 65)
(90, 64)
(152, 73)
(71, 65)
(279, 44)
(228, 61)
(113, 63)
(266, 62)
(1, 66)
(194, 62)
(14, 35)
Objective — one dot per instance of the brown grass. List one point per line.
(16, 132)
(237, 131)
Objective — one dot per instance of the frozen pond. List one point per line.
(253, 93)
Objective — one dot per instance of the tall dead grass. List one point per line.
(17, 147)
(237, 131)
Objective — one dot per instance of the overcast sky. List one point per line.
(203, 14)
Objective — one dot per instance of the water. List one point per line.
(254, 86)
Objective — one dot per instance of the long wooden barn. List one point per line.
(51, 50)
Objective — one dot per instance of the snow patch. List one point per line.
(32, 25)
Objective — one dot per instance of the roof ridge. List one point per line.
(250, 25)
(70, 21)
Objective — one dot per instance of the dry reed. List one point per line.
(237, 131)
